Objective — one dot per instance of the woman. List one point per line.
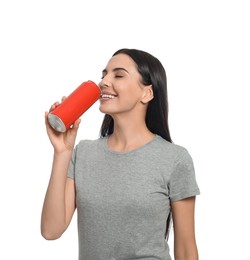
(129, 182)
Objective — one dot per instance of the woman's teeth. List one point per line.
(107, 96)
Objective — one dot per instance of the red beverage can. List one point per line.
(79, 101)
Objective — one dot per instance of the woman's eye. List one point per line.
(118, 76)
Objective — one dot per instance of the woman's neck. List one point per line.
(129, 135)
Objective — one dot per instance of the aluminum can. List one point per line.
(78, 102)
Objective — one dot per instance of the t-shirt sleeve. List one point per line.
(183, 181)
(71, 169)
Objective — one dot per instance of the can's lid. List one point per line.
(56, 123)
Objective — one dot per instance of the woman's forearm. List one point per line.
(188, 253)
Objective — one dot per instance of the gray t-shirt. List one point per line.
(123, 198)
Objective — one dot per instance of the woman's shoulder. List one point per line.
(90, 142)
(171, 151)
(170, 146)
(88, 147)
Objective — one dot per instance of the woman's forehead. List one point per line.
(121, 61)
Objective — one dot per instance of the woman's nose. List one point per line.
(104, 83)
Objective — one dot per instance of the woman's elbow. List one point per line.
(50, 235)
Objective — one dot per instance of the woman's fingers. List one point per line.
(54, 106)
(77, 123)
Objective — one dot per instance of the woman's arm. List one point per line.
(59, 201)
(185, 247)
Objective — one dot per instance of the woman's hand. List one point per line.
(61, 141)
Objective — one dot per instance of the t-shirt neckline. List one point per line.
(106, 146)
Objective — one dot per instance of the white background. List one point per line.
(47, 48)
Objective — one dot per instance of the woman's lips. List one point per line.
(106, 95)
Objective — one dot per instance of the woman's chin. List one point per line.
(104, 111)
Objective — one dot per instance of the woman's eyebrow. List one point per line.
(115, 69)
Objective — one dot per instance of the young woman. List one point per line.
(129, 182)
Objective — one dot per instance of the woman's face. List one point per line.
(122, 90)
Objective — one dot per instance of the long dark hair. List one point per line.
(152, 73)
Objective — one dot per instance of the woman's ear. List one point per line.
(147, 94)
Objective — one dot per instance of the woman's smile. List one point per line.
(107, 96)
